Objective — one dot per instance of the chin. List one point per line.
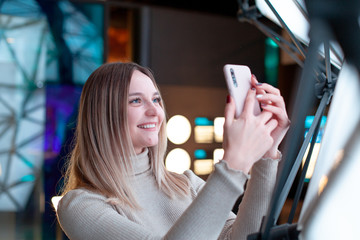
(153, 143)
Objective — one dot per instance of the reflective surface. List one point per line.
(47, 51)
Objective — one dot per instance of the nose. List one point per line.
(151, 109)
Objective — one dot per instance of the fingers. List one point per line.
(274, 104)
(280, 114)
(265, 116)
(255, 83)
(254, 80)
(264, 87)
(273, 99)
(249, 102)
(272, 124)
(272, 94)
(229, 110)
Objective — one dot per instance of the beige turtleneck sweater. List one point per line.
(205, 214)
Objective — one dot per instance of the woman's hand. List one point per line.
(247, 138)
(271, 101)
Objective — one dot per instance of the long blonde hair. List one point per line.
(101, 158)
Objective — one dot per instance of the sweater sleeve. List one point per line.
(256, 200)
(207, 214)
(93, 218)
(84, 215)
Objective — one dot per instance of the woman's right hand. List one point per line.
(247, 138)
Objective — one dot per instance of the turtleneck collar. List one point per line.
(141, 162)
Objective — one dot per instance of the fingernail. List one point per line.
(258, 84)
(263, 104)
(253, 89)
(259, 96)
(227, 98)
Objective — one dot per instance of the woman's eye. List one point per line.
(136, 100)
(157, 100)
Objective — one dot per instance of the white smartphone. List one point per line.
(238, 80)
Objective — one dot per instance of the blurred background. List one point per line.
(48, 49)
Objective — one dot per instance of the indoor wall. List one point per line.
(185, 49)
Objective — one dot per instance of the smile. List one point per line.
(152, 125)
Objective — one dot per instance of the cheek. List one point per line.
(131, 118)
(161, 115)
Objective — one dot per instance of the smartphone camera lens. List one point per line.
(233, 77)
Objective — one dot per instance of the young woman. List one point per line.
(117, 187)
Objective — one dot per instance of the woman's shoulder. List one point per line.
(79, 197)
(192, 176)
(82, 193)
(195, 181)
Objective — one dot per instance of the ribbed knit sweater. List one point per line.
(204, 214)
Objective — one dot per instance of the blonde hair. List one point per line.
(101, 158)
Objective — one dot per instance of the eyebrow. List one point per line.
(139, 93)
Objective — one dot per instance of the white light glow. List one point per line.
(55, 201)
(340, 124)
(178, 160)
(290, 14)
(336, 213)
(218, 155)
(178, 129)
(298, 24)
(219, 129)
(331, 206)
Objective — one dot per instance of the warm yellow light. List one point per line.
(178, 129)
(322, 184)
(313, 158)
(218, 155)
(204, 134)
(178, 160)
(55, 201)
(203, 166)
(219, 129)
(324, 179)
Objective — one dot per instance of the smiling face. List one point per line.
(145, 114)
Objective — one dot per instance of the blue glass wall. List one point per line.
(47, 51)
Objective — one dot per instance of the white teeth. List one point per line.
(147, 126)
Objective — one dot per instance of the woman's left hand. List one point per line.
(271, 100)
